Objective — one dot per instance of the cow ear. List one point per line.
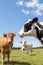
(4, 35)
(35, 20)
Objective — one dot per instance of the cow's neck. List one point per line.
(42, 40)
(39, 34)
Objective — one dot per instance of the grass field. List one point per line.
(17, 58)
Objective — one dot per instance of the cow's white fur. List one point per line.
(26, 47)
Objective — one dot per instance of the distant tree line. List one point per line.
(33, 48)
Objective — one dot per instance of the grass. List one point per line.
(17, 58)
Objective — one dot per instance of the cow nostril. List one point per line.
(21, 36)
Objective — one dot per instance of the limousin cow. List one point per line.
(26, 47)
(32, 28)
(6, 43)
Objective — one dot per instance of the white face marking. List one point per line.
(9, 40)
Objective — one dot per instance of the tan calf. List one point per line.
(6, 43)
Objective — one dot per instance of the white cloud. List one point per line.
(36, 6)
(20, 3)
(40, 7)
(37, 12)
(26, 12)
(33, 3)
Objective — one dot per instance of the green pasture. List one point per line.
(17, 58)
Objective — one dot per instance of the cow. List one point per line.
(32, 28)
(6, 43)
(26, 47)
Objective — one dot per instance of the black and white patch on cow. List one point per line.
(32, 28)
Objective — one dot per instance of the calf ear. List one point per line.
(4, 35)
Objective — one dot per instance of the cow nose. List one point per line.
(20, 35)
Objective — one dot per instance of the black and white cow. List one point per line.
(32, 28)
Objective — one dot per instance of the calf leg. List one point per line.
(3, 57)
(29, 52)
(8, 56)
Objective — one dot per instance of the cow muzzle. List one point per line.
(21, 35)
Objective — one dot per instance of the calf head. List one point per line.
(23, 43)
(10, 36)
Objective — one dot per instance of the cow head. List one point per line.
(28, 29)
(32, 28)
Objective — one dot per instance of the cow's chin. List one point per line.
(21, 36)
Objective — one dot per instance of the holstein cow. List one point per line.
(6, 43)
(32, 28)
(26, 47)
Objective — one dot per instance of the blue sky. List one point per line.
(13, 15)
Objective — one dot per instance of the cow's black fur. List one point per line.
(27, 26)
